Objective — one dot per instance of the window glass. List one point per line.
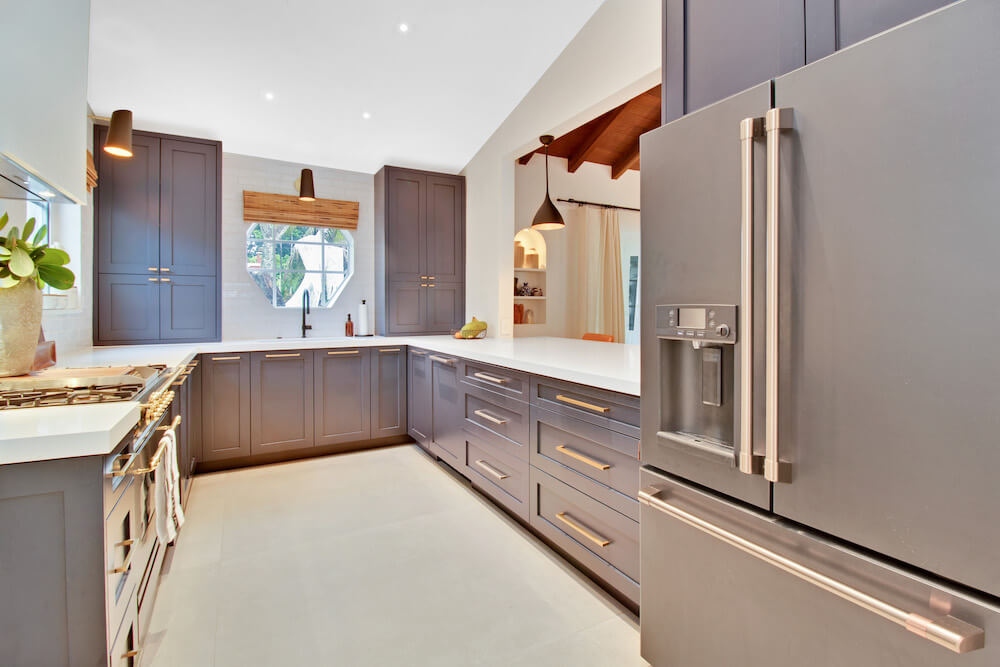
(285, 261)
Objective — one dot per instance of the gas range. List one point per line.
(80, 386)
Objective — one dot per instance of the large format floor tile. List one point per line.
(374, 558)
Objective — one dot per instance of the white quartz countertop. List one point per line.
(37, 434)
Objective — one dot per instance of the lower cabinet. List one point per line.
(498, 474)
(418, 397)
(281, 401)
(447, 437)
(341, 398)
(225, 384)
(388, 395)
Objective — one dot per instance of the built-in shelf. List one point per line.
(526, 298)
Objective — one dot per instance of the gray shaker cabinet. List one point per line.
(419, 251)
(127, 308)
(225, 384)
(418, 397)
(388, 395)
(341, 399)
(448, 439)
(281, 401)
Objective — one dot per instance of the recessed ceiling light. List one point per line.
(268, 96)
(365, 115)
(403, 27)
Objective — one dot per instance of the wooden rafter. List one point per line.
(579, 156)
(629, 160)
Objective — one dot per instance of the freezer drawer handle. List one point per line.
(775, 121)
(573, 454)
(947, 631)
(750, 130)
(582, 404)
(491, 470)
(593, 537)
(488, 417)
(490, 378)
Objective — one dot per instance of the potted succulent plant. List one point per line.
(26, 263)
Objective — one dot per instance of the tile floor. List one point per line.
(372, 558)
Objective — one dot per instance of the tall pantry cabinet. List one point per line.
(156, 240)
(419, 251)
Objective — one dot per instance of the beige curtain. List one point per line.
(596, 277)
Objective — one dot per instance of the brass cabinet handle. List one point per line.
(333, 352)
(443, 360)
(488, 417)
(225, 358)
(284, 355)
(947, 631)
(125, 543)
(431, 277)
(418, 353)
(491, 470)
(164, 269)
(423, 284)
(152, 280)
(563, 449)
(164, 280)
(593, 537)
(582, 404)
(152, 268)
(490, 378)
(121, 569)
(390, 349)
(131, 654)
(431, 285)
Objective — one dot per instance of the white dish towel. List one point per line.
(167, 491)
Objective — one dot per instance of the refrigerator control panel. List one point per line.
(710, 323)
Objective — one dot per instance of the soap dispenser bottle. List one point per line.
(349, 327)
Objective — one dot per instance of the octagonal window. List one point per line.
(286, 261)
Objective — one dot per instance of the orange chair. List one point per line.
(603, 338)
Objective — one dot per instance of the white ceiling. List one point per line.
(435, 93)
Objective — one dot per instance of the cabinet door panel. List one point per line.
(342, 402)
(189, 207)
(445, 236)
(188, 308)
(832, 25)
(445, 308)
(418, 397)
(448, 437)
(407, 225)
(388, 398)
(128, 308)
(281, 405)
(126, 201)
(407, 308)
(225, 414)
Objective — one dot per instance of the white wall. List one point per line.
(613, 58)
(43, 117)
(246, 311)
(591, 182)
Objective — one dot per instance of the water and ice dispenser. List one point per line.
(697, 350)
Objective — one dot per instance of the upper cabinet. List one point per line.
(716, 48)
(156, 224)
(419, 251)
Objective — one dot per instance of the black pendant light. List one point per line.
(548, 216)
(119, 141)
(306, 190)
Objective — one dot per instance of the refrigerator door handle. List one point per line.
(750, 129)
(775, 470)
(947, 631)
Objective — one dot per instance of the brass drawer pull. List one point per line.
(490, 378)
(431, 277)
(443, 360)
(123, 568)
(418, 353)
(582, 404)
(423, 284)
(164, 280)
(390, 349)
(593, 537)
(491, 470)
(125, 543)
(593, 463)
(236, 358)
(164, 269)
(131, 654)
(282, 356)
(152, 280)
(488, 417)
(334, 352)
(152, 268)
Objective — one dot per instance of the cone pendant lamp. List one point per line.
(548, 216)
(306, 190)
(119, 141)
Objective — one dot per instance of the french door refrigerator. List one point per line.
(821, 361)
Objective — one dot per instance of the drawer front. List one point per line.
(603, 540)
(122, 552)
(603, 464)
(698, 580)
(618, 412)
(124, 651)
(506, 381)
(501, 476)
(496, 419)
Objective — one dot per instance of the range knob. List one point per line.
(722, 330)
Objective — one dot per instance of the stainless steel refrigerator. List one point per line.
(821, 361)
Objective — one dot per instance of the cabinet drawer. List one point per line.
(602, 539)
(122, 566)
(501, 476)
(496, 378)
(603, 464)
(619, 412)
(495, 419)
(124, 651)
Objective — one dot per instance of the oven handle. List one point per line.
(154, 462)
(947, 631)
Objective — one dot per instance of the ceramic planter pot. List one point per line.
(20, 324)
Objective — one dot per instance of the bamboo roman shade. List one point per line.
(289, 210)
